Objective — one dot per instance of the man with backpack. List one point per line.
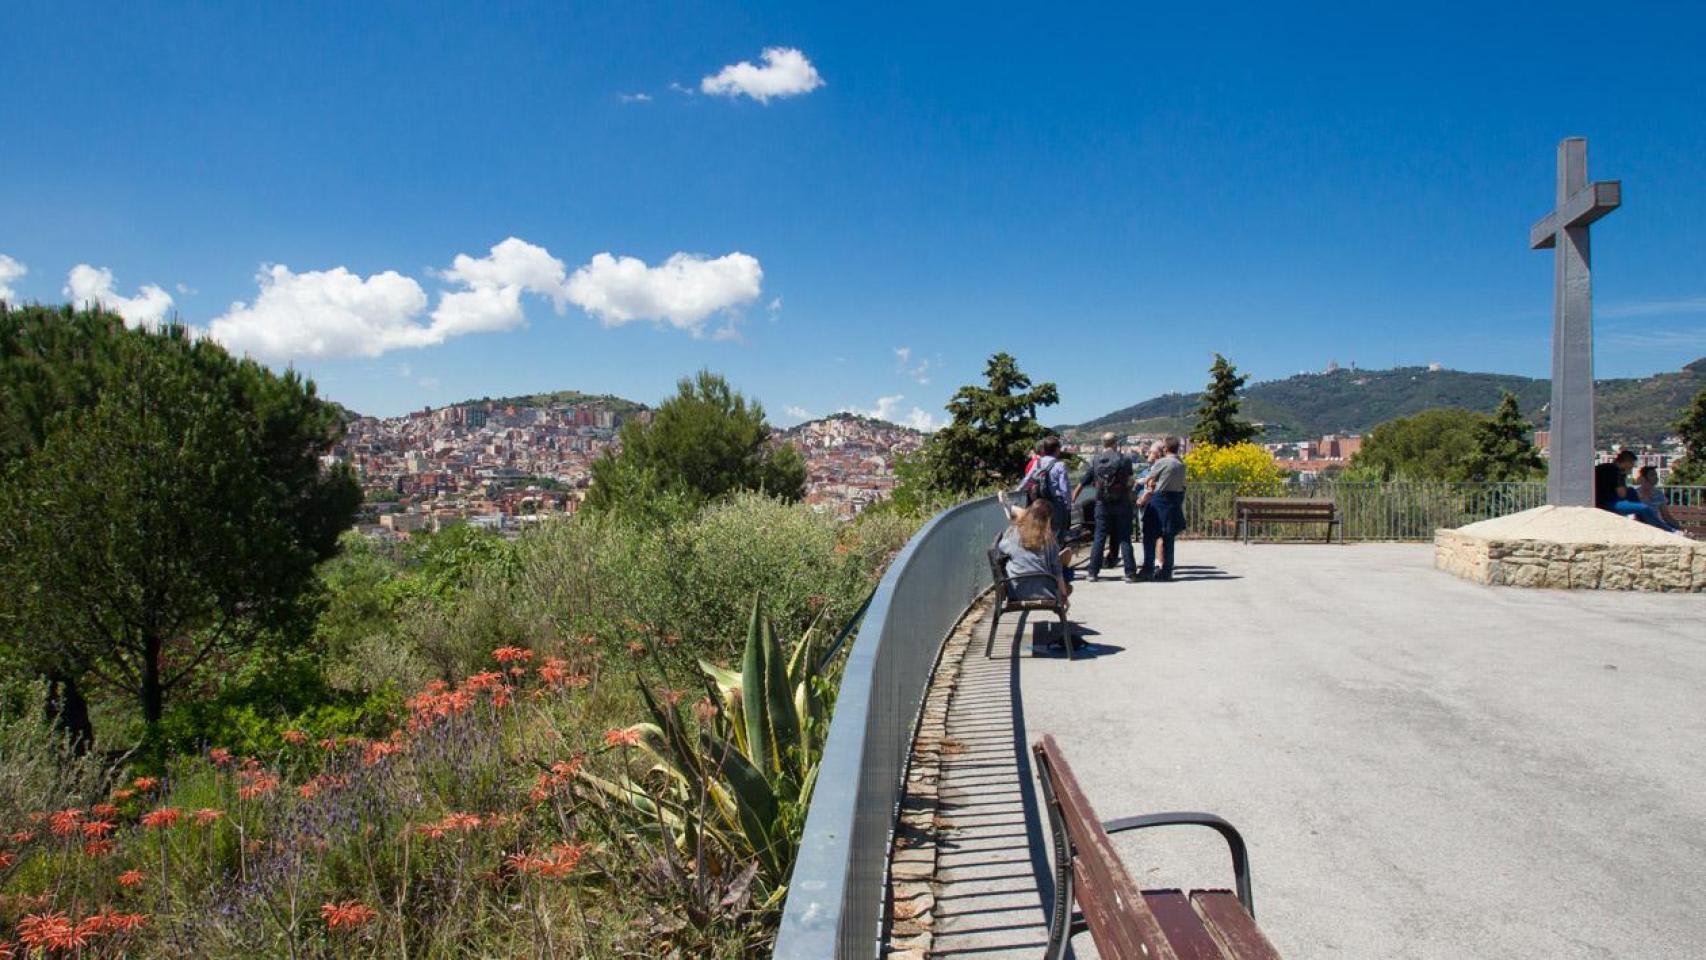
(1047, 480)
(1110, 472)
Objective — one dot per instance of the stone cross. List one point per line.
(1570, 442)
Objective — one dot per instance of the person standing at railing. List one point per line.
(1165, 493)
(1109, 471)
(1047, 482)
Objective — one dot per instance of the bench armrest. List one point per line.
(1235, 841)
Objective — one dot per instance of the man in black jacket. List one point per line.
(1109, 471)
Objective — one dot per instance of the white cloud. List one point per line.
(683, 291)
(634, 97)
(888, 408)
(86, 284)
(324, 314)
(786, 73)
(492, 287)
(10, 270)
(797, 412)
(328, 314)
(903, 363)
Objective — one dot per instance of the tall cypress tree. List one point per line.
(1217, 414)
(1503, 448)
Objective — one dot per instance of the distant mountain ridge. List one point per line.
(1634, 410)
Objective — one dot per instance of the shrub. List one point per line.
(1245, 464)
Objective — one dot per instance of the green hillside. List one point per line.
(560, 398)
(1637, 410)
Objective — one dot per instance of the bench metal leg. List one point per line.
(1065, 633)
(994, 625)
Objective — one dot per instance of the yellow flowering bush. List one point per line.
(1245, 464)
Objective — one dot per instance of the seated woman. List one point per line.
(1610, 492)
(1030, 548)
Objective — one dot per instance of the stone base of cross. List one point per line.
(1569, 478)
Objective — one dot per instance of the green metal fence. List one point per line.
(1400, 510)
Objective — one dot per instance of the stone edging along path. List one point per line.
(912, 868)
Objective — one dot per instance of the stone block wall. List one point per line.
(1572, 566)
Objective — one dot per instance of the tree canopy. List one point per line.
(172, 508)
(1691, 469)
(705, 442)
(1504, 448)
(1435, 444)
(993, 432)
(1217, 414)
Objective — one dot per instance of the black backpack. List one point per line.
(1113, 477)
(1037, 485)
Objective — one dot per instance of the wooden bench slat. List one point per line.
(1186, 933)
(1134, 932)
(1231, 927)
(1115, 939)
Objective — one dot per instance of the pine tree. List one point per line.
(1217, 414)
(993, 432)
(1691, 469)
(1503, 450)
(170, 513)
(705, 442)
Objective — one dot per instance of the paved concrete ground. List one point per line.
(1423, 767)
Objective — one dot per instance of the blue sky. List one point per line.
(1110, 193)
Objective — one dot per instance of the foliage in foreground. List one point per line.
(501, 817)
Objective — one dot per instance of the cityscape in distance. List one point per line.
(509, 462)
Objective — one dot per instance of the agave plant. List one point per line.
(731, 789)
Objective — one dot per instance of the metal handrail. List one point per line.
(1391, 510)
(838, 893)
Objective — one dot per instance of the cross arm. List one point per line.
(1582, 208)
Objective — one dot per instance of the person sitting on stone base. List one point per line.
(1612, 492)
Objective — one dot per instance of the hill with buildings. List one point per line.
(1350, 401)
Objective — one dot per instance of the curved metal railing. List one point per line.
(839, 892)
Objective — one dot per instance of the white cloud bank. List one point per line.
(327, 314)
(323, 314)
(86, 284)
(786, 73)
(10, 270)
(683, 291)
(888, 408)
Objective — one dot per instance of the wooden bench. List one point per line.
(1006, 603)
(1692, 520)
(1126, 923)
(1248, 510)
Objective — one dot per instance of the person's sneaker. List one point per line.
(1131, 578)
(1093, 577)
(1144, 577)
(1163, 578)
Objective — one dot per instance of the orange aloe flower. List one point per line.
(162, 818)
(347, 915)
